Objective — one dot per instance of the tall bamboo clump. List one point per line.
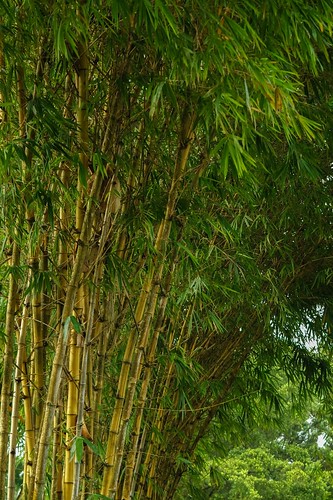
(149, 245)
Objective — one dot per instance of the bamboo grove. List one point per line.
(165, 230)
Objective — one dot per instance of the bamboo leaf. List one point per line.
(77, 448)
(76, 324)
(97, 449)
(83, 174)
(66, 328)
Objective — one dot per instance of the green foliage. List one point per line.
(232, 248)
(76, 325)
(285, 455)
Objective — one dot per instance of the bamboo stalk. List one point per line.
(121, 390)
(57, 462)
(189, 442)
(75, 349)
(29, 423)
(88, 463)
(82, 75)
(71, 483)
(19, 376)
(128, 487)
(83, 383)
(152, 453)
(45, 297)
(8, 366)
(138, 461)
(10, 322)
(38, 363)
(111, 211)
(133, 379)
(58, 362)
(126, 385)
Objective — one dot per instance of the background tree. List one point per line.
(278, 454)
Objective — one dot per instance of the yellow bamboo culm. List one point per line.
(75, 349)
(57, 455)
(121, 390)
(38, 360)
(131, 366)
(131, 463)
(26, 393)
(82, 65)
(8, 365)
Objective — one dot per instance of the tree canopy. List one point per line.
(165, 230)
(276, 455)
